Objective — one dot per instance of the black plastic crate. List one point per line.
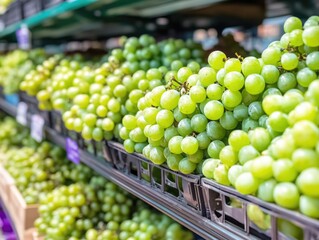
(235, 218)
(51, 3)
(32, 103)
(14, 13)
(57, 123)
(31, 7)
(180, 188)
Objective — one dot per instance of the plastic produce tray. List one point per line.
(57, 123)
(235, 219)
(30, 7)
(32, 103)
(184, 189)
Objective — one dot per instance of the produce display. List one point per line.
(15, 65)
(75, 203)
(274, 153)
(247, 122)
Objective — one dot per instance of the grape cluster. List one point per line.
(93, 99)
(15, 65)
(100, 210)
(278, 158)
(37, 168)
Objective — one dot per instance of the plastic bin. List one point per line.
(184, 189)
(235, 218)
(57, 123)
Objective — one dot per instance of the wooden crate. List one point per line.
(5, 182)
(22, 215)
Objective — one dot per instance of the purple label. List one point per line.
(23, 37)
(72, 150)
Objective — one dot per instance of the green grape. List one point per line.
(165, 118)
(184, 127)
(228, 121)
(221, 174)
(189, 145)
(186, 167)
(309, 36)
(271, 55)
(155, 132)
(233, 173)
(291, 24)
(266, 190)
(186, 105)
(312, 61)
(228, 156)
(231, 99)
(305, 76)
(289, 61)
(209, 166)
(174, 145)
(232, 64)
(284, 170)
(217, 60)
(247, 153)
(270, 73)
(255, 110)
(259, 139)
(286, 195)
(262, 167)
(305, 134)
(199, 123)
(207, 76)
(238, 139)
(286, 82)
(214, 110)
(214, 91)
(250, 65)
(309, 206)
(278, 121)
(234, 81)
(255, 84)
(203, 140)
(303, 158)
(183, 74)
(215, 131)
(240, 112)
(197, 94)
(246, 183)
(307, 181)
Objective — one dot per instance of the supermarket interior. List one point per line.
(159, 120)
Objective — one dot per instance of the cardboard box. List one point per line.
(5, 182)
(22, 215)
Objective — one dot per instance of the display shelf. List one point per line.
(185, 216)
(100, 19)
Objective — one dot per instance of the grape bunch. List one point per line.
(278, 159)
(94, 100)
(15, 65)
(100, 210)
